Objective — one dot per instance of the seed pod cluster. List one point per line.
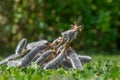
(48, 55)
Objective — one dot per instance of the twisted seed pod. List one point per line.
(44, 56)
(56, 61)
(28, 58)
(30, 46)
(21, 45)
(75, 62)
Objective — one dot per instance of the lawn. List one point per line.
(100, 68)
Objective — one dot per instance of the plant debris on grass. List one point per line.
(58, 54)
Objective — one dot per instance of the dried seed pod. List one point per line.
(75, 62)
(18, 52)
(84, 59)
(15, 63)
(66, 63)
(44, 56)
(71, 34)
(28, 58)
(9, 58)
(56, 61)
(36, 57)
(30, 46)
(21, 45)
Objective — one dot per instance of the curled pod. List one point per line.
(28, 58)
(44, 56)
(56, 61)
(74, 60)
(30, 46)
(21, 45)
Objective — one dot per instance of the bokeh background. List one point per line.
(46, 19)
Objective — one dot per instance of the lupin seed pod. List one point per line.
(75, 62)
(66, 63)
(56, 61)
(30, 46)
(44, 56)
(18, 52)
(71, 34)
(84, 59)
(14, 63)
(36, 57)
(9, 58)
(21, 45)
(28, 58)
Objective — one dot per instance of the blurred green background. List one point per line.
(46, 19)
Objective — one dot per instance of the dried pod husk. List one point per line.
(28, 58)
(66, 63)
(18, 52)
(21, 45)
(84, 58)
(70, 34)
(30, 46)
(75, 62)
(44, 56)
(36, 57)
(14, 63)
(9, 58)
(56, 61)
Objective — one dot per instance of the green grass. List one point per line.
(100, 68)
